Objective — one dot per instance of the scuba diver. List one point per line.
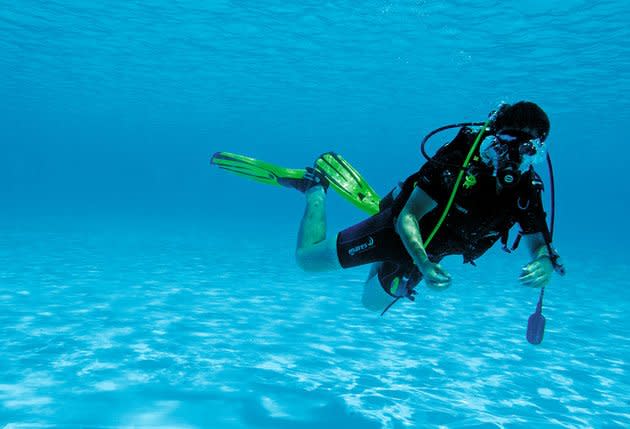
(462, 201)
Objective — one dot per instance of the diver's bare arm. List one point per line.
(408, 227)
(538, 272)
(537, 245)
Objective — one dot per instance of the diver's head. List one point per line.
(523, 116)
(517, 141)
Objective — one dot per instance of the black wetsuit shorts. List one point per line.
(372, 240)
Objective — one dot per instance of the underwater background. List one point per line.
(140, 287)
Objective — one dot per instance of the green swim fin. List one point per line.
(254, 169)
(347, 181)
(343, 178)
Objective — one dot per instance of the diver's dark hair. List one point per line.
(523, 114)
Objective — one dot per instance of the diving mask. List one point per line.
(511, 153)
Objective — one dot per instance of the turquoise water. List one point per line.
(141, 288)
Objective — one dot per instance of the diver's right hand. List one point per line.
(435, 276)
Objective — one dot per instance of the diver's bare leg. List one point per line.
(314, 252)
(374, 298)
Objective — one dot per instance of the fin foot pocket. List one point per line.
(348, 182)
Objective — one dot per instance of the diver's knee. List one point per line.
(370, 304)
(305, 261)
(374, 297)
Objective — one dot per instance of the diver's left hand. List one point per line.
(537, 273)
